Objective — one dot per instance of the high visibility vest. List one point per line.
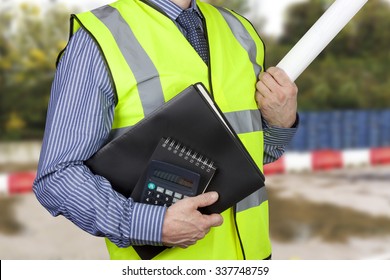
(150, 61)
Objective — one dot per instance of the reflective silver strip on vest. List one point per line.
(245, 121)
(243, 37)
(145, 72)
(255, 199)
(241, 121)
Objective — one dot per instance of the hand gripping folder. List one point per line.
(194, 120)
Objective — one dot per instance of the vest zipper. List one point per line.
(209, 54)
(212, 96)
(238, 232)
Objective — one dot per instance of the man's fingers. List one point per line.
(184, 224)
(268, 80)
(262, 88)
(205, 199)
(280, 76)
(213, 220)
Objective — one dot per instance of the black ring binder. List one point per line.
(179, 148)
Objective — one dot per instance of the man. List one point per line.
(122, 62)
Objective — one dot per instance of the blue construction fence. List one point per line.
(347, 129)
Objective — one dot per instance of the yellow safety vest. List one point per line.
(150, 61)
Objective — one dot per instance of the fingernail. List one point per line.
(214, 195)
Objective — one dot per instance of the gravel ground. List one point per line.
(339, 214)
(30, 232)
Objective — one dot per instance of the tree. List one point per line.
(299, 18)
(352, 72)
(31, 39)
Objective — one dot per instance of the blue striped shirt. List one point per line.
(79, 119)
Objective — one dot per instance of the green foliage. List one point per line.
(300, 17)
(29, 43)
(30, 40)
(352, 72)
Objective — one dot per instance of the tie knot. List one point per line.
(188, 20)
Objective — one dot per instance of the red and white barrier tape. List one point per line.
(19, 182)
(327, 159)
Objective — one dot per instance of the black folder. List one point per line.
(191, 117)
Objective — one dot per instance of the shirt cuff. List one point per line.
(146, 224)
(278, 136)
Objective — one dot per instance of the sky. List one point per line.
(271, 10)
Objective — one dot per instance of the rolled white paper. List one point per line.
(319, 36)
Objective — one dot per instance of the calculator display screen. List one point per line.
(170, 177)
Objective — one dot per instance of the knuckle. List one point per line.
(262, 89)
(204, 225)
(202, 235)
(266, 76)
(292, 90)
(259, 84)
(265, 104)
(191, 201)
(271, 69)
(274, 70)
(282, 98)
(295, 88)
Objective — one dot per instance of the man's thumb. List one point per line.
(206, 199)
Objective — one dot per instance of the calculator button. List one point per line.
(160, 189)
(151, 186)
(169, 192)
(149, 193)
(159, 195)
(175, 200)
(178, 195)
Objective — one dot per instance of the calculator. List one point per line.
(167, 183)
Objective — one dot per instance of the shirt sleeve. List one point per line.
(79, 119)
(276, 139)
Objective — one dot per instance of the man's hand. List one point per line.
(276, 97)
(184, 224)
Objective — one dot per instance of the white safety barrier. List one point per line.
(327, 159)
(18, 182)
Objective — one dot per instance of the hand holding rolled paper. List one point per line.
(319, 36)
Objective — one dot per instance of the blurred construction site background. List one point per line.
(329, 195)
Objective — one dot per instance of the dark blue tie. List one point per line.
(188, 20)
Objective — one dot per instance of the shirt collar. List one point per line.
(171, 9)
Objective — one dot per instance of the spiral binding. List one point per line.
(188, 154)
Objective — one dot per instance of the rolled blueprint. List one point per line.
(319, 36)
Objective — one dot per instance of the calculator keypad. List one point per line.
(158, 195)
